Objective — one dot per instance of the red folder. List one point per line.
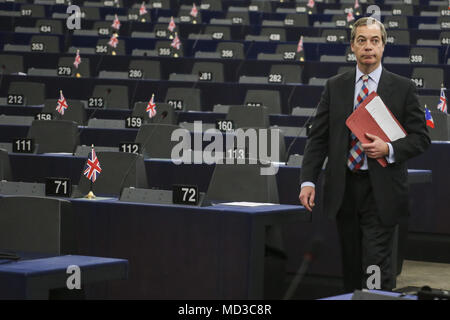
(361, 122)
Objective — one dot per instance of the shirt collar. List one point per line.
(375, 75)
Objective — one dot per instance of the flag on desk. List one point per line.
(172, 25)
(176, 43)
(429, 118)
(356, 6)
(194, 11)
(142, 9)
(113, 41)
(350, 16)
(300, 45)
(77, 61)
(62, 104)
(92, 168)
(151, 107)
(116, 23)
(311, 3)
(442, 106)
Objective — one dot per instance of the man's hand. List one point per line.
(307, 195)
(377, 148)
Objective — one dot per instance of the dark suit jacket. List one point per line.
(330, 137)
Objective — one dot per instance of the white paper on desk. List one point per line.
(248, 204)
(384, 119)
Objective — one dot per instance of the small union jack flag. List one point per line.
(311, 3)
(77, 61)
(350, 16)
(92, 168)
(172, 25)
(151, 107)
(194, 11)
(429, 118)
(116, 23)
(442, 106)
(176, 43)
(356, 6)
(113, 42)
(62, 104)
(300, 44)
(142, 9)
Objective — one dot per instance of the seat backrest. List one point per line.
(155, 140)
(148, 69)
(54, 135)
(398, 37)
(119, 170)
(83, 69)
(430, 101)
(396, 22)
(441, 130)
(296, 20)
(335, 35)
(211, 5)
(114, 96)
(11, 64)
(165, 113)
(33, 92)
(249, 117)
(238, 18)
(289, 52)
(47, 44)
(32, 10)
(268, 98)
(274, 34)
(90, 13)
(424, 55)
(164, 49)
(5, 166)
(209, 71)
(184, 98)
(289, 73)
(75, 112)
(218, 32)
(428, 78)
(231, 50)
(49, 26)
(444, 37)
(242, 182)
(37, 224)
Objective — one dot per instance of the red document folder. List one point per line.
(361, 122)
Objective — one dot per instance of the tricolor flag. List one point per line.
(356, 6)
(151, 107)
(116, 23)
(311, 3)
(176, 43)
(429, 118)
(142, 9)
(194, 11)
(92, 168)
(172, 25)
(442, 106)
(62, 104)
(77, 61)
(300, 45)
(350, 16)
(113, 42)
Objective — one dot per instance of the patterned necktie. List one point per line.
(356, 155)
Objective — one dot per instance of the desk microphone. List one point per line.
(309, 256)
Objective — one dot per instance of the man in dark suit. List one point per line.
(366, 199)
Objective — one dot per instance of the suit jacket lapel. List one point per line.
(384, 87)
(348, 92)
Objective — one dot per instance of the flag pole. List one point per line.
(91, 194)
(59, 114)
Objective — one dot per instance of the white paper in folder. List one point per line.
(384, 119)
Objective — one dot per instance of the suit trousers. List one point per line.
(364, 240)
